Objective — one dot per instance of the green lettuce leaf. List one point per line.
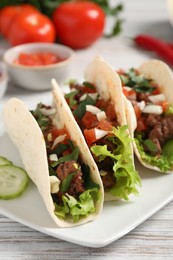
(82, 207)
(164, 162)
(124, 171)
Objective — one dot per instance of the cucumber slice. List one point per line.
(13, 181)
(4, 161)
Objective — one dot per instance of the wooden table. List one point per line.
(153, 239)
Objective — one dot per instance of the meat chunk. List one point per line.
(77, 183)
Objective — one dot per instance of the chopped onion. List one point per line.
(54, 184)
(101, 115)
(48, 112)
(157, 98)
(100, 133)
(59, 139)
(53, 157)
(153, 109)
(92, 95)
(103, 173)
(141, 105)
(93, 109)
(127, 88)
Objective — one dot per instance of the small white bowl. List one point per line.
(3, 81)
(38, 77)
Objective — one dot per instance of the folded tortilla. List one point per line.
(163, 76)
(27, 136)
(108, 86)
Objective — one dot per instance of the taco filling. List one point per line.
(109, 143)
(73, 192)
(154, 132)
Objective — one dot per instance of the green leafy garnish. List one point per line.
(89, 184)
(77, 208)
(81, 108)
(42, 120)
(164, 161)
(71, 97)
(137, 81)
(66, 182)
(72, 156)
(150, 145)
(124, 171)
(89, 85)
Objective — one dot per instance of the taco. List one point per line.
(57, 159)
(97, 105)
(149, 89)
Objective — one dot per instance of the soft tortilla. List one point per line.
(162, 74)
(28, 138)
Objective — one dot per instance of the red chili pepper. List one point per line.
(163, 49)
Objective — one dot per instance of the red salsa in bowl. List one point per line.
(38, 59)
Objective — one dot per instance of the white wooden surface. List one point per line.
(153, 239)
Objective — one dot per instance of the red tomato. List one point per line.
(57, 132)
(9, 13)
(78, 24)
(90, 136)
(31, 27)
(141, 126)
(138, 111)
(105, 125)
(90, 120)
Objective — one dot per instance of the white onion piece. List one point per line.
(103, 173)
(59, 139)
(157, 98)
(54, 184)
(48, 112)
(92, 95)
(127, 88)
(101, 115)
(153, 109)
(100, 133)
(53, 157)
(93, 109)
(141, 105)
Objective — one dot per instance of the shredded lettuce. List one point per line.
(82, 207)
(164, 162)
(124, 171)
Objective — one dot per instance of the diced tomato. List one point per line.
(102, 104)
(110, 112)
(90, 120)
(105, 125)
(90, 136)
(57, 132)
(130, 94)
(87, 89)
(141, 126)
(137, 111)
(163, 104)
(156, 91)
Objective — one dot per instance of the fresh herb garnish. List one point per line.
(71, 98)
(66, 182)
(89, 85)
(150, 145)
(81, 108)
(42, 120)
(72, 156)
(137, 81)
(89, 184)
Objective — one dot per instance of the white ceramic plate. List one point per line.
(117, 218)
